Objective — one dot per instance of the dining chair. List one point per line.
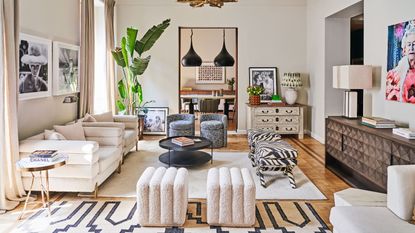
(209, 105)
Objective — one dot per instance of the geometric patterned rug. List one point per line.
(120, 216)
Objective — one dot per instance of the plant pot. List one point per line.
(254, 100)
(230, 87)
(290, 96)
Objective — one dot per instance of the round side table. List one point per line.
(25, 165)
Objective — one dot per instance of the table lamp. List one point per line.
(353, 78)
(292, 81)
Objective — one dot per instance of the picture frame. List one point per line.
(35, 67)
(155, 121)
(265, 77)
(66, 59)
(208, 73)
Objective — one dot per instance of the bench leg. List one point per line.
(290, 175)
(261, 177)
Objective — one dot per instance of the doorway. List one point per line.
(208, 82)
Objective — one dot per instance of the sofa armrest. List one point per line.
(130, 121)
(104, 124)
(63, 146)
(105, 136)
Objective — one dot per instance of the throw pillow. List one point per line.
(71, 132)
(52, 135)
(89, 118)
(104, 117)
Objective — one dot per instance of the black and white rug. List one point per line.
(120, 216)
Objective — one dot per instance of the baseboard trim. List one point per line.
(315, 136)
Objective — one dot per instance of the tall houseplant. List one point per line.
(129, 87)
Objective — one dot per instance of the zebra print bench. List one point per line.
(275, 156)
(258, 135)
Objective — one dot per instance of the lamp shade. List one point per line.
(352, 77)
(191, 58)
(291, 80)
(224, 58)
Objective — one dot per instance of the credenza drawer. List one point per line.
(295, 111)
(277, 119)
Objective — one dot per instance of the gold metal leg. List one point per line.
(47, 191)
(27, 197)
(42, 190)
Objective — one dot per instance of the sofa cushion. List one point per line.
(401, 190)
(107, 156)
(181, 125)
(104, 117)
(52, 135)
(358, 219)
(130, 137)
(89, 118)
(211, 125)
(71, 132)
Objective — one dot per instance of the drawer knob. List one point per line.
(289, 111)
(277, 119)
(289, 120)
(265, 120)
(265, 111)
(277, 110)
(277, 128)
(289, 129)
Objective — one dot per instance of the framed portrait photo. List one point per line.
(265, 77)
(65, 68)
(155, 121)
(35, 67)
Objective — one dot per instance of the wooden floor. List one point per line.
(311, 157)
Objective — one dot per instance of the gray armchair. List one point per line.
(215, 128)
(180, 125)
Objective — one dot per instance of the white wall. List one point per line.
(54, 20)
(271, 33)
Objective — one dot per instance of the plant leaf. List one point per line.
(139, 65)
(122, 89)
(135, 88)
(139, 93)
(131, 38)
(124, 49)
(118, 57)
(151, 36)
(120, 105)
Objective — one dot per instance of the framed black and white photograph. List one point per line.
(265, 77)
(65, 68)
(155, 120)
(208, 73)
(35, 67)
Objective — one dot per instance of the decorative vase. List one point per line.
(254, 100)
(290, 96)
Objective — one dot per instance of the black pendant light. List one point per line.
(224, 58)
(191, 58)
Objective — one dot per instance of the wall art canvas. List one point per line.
(400, 79)
(265, 77)
(208, 73)
(155, 120)
(35, 67)
(65, 68)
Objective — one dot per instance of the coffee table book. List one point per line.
(183, 141)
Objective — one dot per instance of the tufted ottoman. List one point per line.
(162, 197)
(259, 135)
(214, 128)
(230, 197)
(275, 156)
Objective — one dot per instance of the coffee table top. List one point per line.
(203, 144)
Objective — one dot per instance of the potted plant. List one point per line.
(129, 87)
(230, 83)
(254, 93)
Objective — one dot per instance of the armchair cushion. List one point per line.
(125, 118)
(401, 190)
(104, 117)
(71, 132)
(103, 124)
(52, 135)
(181, 124)
(107, 156)
(89, 118)
(211, 125)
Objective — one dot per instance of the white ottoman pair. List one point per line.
(162, 197)
(230, 197)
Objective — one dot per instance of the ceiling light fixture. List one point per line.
(200, 3)
(224, 58)
(191, 58)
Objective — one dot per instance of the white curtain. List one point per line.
(11, 186)
(109, 44)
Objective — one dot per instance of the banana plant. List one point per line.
(133, 64)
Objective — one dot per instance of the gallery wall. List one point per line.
(271, 34)
(57, 21)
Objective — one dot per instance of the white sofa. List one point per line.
(89, 163)
(364, 217)
(129, 125)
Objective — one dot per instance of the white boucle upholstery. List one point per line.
(162, 197)
(230, 197)
(401, 190)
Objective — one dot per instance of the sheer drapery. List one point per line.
(109, 44)
(11, 186)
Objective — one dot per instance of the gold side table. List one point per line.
(25, 165)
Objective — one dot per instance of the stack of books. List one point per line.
(44, 156)
(404, 132)
(378, 122)
(183, 141)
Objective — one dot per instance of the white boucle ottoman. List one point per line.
(162, 197)
(230, 197)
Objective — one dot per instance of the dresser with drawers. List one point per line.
(283, 119)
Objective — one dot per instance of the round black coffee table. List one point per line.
(186, 156)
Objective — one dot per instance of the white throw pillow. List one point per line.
(71, 132)
(104, 117)
(52, 135)
(89, 118)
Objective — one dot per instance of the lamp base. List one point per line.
(353, 104)
(290, 96)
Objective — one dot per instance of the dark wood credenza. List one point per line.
(360, 154)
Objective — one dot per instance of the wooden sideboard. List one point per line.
(361, 155)
(282, 118)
